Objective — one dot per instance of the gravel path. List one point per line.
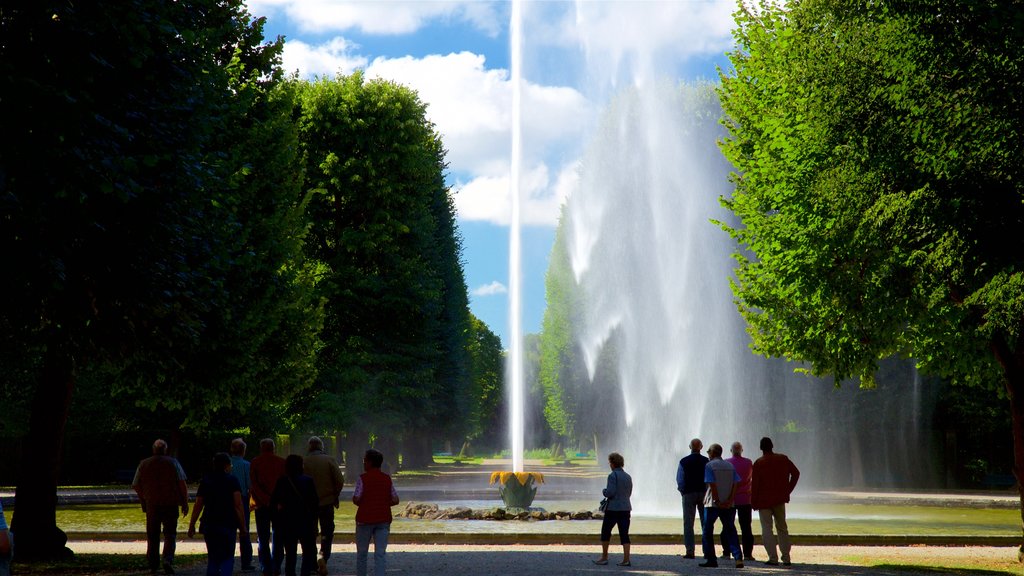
(556, 559)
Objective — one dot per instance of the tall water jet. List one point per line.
(515, 356)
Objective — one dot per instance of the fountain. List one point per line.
(658, 331)
(518, 487)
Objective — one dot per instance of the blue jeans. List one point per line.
(693, 503)
(379, 534)
(728, 516)
(220, 550)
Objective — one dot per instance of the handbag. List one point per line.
(603, 505)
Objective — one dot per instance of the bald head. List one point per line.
(737, 449)
(696, 445)
(159, 447)
(715, 451)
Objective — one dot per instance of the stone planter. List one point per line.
(517, 489)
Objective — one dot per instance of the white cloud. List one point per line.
(381, 17)
(490, 289)
(328, 59)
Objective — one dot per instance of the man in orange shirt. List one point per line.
(264, 472)
(774, 479)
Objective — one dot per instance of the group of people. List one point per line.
(716, 489)
(290, 498)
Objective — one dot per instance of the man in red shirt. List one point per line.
(264, 472)
(160, 483)
(774, 478)
(374, 495)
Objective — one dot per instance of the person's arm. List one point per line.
(680, 478)
(732, 492)
(357, 495)
(394, 495)
(339, 482)
(182, 488)
(794, 476)
(196, 510)
(137, 486)
(612, 487)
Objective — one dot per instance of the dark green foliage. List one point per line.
(382, 232)
(145, 245)
(877, 148)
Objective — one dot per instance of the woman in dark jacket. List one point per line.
(618, 491)
(294, 502)
(219, 500)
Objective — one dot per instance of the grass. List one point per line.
(101, 565)
(945, 570)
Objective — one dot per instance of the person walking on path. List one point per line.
(745, 468)
(219, 501)
(264, 472)
(374, 496)
(329, 481)
(617, 513)
(690, 483)
(160, 483)
(721, 479)
(240, 470)
(294, 502)
(774, 479)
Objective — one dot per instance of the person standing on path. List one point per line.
(744, 468)
(160, 483)
(240, 470)
(264, 472)
(329, 481)
(219, 501)
(774, 479)
(374, 496)
(294, 502)
(618, 491)
(721, 479)
(690, 483)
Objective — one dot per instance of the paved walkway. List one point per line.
(557, 559)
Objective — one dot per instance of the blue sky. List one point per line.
(456, 54)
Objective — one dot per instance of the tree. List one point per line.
(112, 200)
(878, 183)
(487, 382)
(382, 232)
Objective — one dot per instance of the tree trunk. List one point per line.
(354, 445)
(1012, 362)
(35, 500)
(416, 452)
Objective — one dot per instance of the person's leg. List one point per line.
(169, 522)
(732, 542)
(606, 534)
(779, 513)
(244, 539)
(767, 535)
(689, 511)
(290, 549)
(326, 517)
(308, 543)
(277, 546)
(262, 519)
(380, 548)
(153, 538)
(707, 536)
(623, 522)
(743, 514)
(363, 534)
